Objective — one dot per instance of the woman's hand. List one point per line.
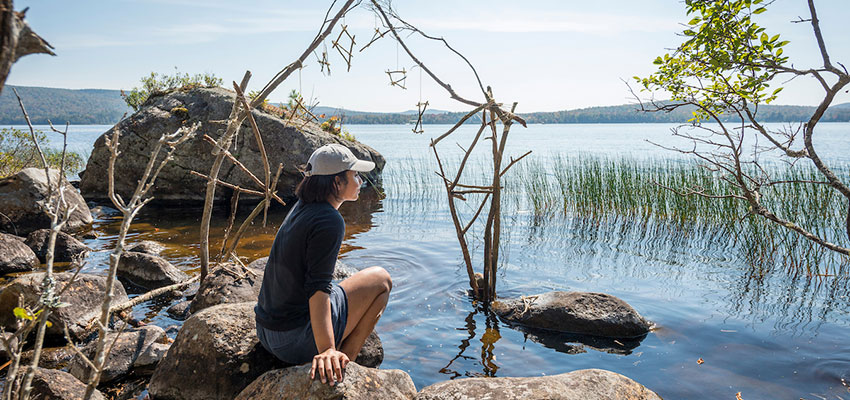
(329, 364)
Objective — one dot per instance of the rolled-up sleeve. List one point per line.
(323, 243)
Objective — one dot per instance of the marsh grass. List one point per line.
(627, 199)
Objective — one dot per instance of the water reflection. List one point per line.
(486, 357)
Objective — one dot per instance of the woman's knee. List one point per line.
(381, 277)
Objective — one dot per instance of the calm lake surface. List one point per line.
(774, 334)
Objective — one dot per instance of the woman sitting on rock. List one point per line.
(301, 314)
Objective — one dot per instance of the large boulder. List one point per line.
(66, 249)
(216, 354)
(137, 349)
(148, 271)
(358, 383)
(84, 298)
(290, 145)
(229, 283)
(596, 314)
(577, 385)
(24, 202)
(59, 385)
(15, 255)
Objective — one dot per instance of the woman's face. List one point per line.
(350, 190)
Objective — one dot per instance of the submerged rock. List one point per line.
(84, 296)
(357, 383)
(290, 145)
(15, 255)
(577, 385)
(24, 203)
(66, 249)
(59, 385)
(148, 271)
(147, 246)
(595, 314)
(134, 349)
(179, 310)
(229, 283)
(51, 357)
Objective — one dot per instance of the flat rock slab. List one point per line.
(134, 349)
(148, 271)
(84, 296)
(597, 314)
(357, 383)
(59, 385)
(15, 255)
(66, 249)
(24, 202)
(586, 384)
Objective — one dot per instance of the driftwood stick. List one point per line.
(152, 294)
(259, 138)
(243, 168)
(459, 124)
(230, 185)
(234, 206)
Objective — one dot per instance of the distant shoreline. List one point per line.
(106, 107)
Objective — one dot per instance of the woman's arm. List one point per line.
(329, 362)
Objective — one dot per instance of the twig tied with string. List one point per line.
(375, 37)
(397, 77)
(422, 107)
(346, 54)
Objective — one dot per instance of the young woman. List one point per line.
(301, 314)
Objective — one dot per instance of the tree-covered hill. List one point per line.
(99, 106)
(85, 106)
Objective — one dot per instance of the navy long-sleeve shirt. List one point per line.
(301, 262)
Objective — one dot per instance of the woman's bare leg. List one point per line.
(368, 292)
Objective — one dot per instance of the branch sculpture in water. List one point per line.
(724, 71)
(456, 191)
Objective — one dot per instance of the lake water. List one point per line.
(773, 334)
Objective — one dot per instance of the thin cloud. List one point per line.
(526, 22)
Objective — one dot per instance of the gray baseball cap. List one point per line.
(334, 158)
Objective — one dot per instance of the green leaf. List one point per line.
(694, 21)
(759, 10)
(21, 313)
(658, 61)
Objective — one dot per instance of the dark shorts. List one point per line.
(298, 346)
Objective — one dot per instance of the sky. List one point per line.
(545, 55)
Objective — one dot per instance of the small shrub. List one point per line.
(156, 84)
(330, 126)
(17, 152)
